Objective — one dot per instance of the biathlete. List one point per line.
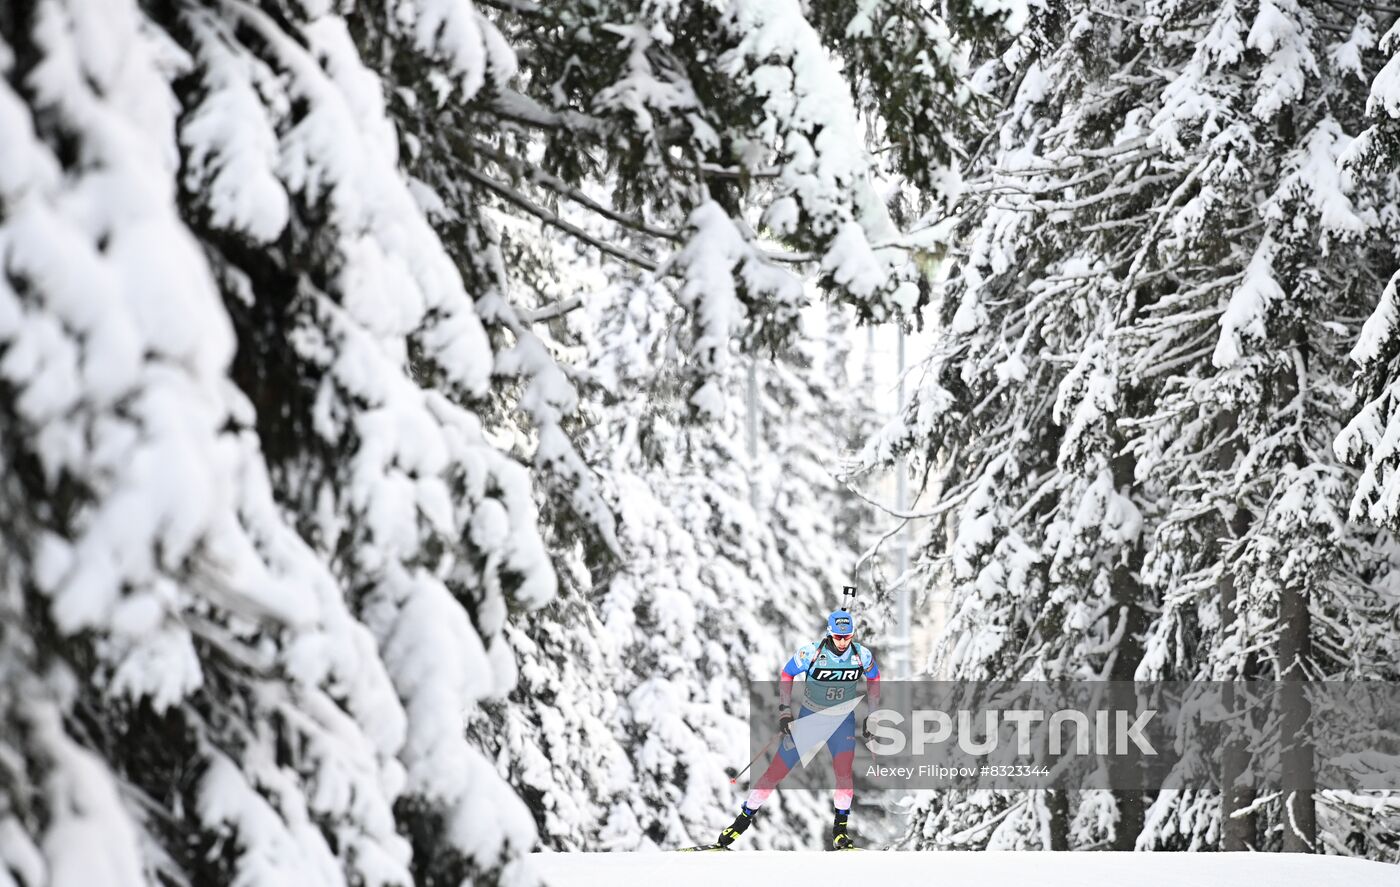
(833, 667)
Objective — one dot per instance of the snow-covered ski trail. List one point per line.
(988, 869)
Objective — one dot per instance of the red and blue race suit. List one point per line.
(830, 679)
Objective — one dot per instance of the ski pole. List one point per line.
(761, 753)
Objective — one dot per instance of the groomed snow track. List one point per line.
(894, 869)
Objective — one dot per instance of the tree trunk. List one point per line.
(1127, 594)
(1299, 814)
(1237, 832)
(1295, 648)
(1057, 801)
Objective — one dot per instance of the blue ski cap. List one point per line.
(841, 622)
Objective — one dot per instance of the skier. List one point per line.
(832, 668)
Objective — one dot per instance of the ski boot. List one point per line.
(839, 839)
(732, 833)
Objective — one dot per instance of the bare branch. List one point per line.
(550, 218)
(538, 176)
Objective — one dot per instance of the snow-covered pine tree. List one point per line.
(1367, 440)
(262, 571)
(1116, 232)
(728, 565)
(1015, 413)
(1242, 364)
(324, 179)
(734, 121)
(708, 125)
(1272, 264)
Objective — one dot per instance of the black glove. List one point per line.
(865, 729)
(784, 718)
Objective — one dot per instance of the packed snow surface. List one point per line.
(990, 869)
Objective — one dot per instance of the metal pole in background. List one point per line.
(751, 431)
(867, 368)
(906, 651)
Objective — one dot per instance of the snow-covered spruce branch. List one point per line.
(1117, 16)
(1004, 104)
(519, 108)
(1205, 288)
(1117, 224)
(1108, 194)
(1184, 356)
(1353, 5)
(1133, 151)
(1040, 187)
(1150, 240)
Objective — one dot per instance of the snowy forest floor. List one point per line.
(991, 869)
